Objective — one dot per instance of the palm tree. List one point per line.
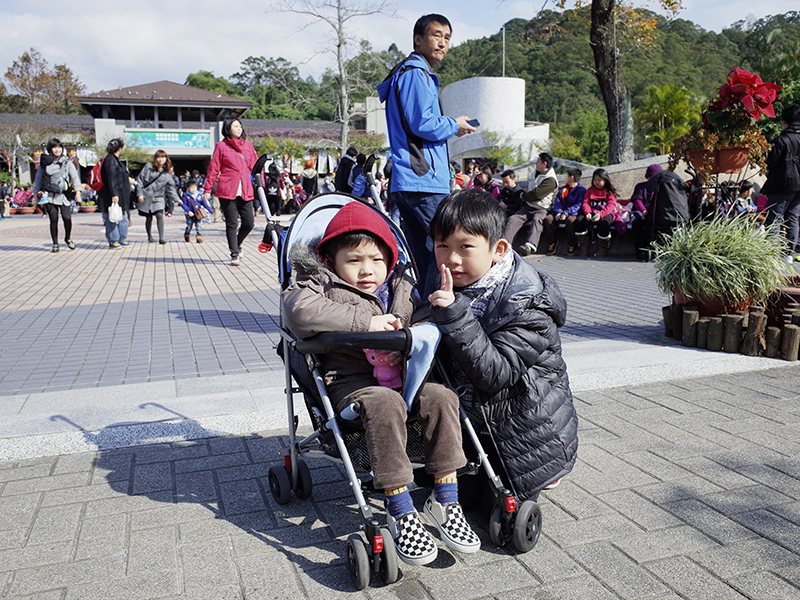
(666, 112)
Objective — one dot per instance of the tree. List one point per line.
(337, 15)
(665, 114)
(206, 80)
(43, 89)
(607, 27)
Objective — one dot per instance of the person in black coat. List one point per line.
(343, 171)
(783, 178)
(499, 319)
(116, 190)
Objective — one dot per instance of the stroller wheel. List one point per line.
(496, 528)
(528, 526)
(389, 564)
(304, 484)
(279, 484)
(358, 561)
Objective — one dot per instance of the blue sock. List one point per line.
(446, 490)
(398, 501)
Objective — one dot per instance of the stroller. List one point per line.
(338, 438)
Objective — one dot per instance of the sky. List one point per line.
(110, 44)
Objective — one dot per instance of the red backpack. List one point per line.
(95, 179)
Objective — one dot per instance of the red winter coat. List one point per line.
(598, 201)
(232, 162)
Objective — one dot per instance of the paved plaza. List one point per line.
(141, 405)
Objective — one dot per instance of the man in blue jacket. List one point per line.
(418, 134)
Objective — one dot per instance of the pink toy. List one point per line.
(387, 375)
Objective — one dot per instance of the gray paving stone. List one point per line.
(592, 529)
(692, 581)
(549, 564)
(207, 565)
(641, 511)
(767, 586)
(13, 538)
(87, 493)
(47, 577)
(577, 502)
(770, 526)
(499, 576)
(664, 543)
(709, 521)
(242, 497)
(125, 504)
(258, 582)
(152, 585)
(747, 556)
(55, 524)
(22, 473)
(102, 536)
(153, 550)
(43, 484)
(17, 511)
(35, 554)
(152, 478)
(745, 499)
(156, 514)
(617, 571)
(707, 468)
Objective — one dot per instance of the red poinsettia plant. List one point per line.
(730, 121)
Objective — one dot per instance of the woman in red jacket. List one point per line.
(232, 162)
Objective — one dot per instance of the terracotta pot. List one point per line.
(730, 160)
(709, 307)
(725, 160)
(26, 210)
(87, 209)
(12, 210)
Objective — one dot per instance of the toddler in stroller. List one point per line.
(353, 283)
(346, 282)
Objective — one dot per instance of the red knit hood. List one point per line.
(356, 216)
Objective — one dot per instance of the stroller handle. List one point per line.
(325, 343)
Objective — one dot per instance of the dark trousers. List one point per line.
(384, 413)
(148, 224)
(602, 227)
(274, 205)
(416, 211)
(233, 210)
(53, 210)
(550, 225)
(522, 216)
(786, 207)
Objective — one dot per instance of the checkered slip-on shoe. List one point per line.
(453, 527)
(414, 545)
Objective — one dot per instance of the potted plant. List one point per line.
(88, 206)
(722, 264)
(728, 138)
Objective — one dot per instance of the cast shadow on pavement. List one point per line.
(249, 322)
(178, 461)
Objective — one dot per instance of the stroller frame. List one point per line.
(509, 523)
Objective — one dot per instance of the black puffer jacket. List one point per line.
(783, 163)
(116, 182)
(512, 357)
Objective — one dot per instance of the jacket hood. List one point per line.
(386, 85)
(309, 172)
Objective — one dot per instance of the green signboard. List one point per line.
(168, 138)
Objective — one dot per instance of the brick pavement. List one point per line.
(686, 489)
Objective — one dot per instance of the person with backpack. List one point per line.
(229, 169)
(54, 177)
(274, 189)
(418, 134)
(116, 189)
(155, 189)
(782, 187)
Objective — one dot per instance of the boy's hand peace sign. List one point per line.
(444, 296)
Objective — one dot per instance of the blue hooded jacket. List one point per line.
(420, 162)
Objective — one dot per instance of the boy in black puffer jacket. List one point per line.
(499, 318)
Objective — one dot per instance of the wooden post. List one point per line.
(702, 332)
(690, 318)
(666, 312)
(754, 341)
(677, 321)
(790, 342)
(733, 333)
(773, 342)
(714, 341)
(756, 308)
(795, 318)
(745, 316)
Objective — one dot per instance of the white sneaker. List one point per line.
(453, 527)
(414, 545)
(235, 262)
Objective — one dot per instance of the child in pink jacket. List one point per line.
(597, 214)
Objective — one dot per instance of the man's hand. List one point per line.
(384, 323)
(443, 297)
(463, 127)
(207, 196)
